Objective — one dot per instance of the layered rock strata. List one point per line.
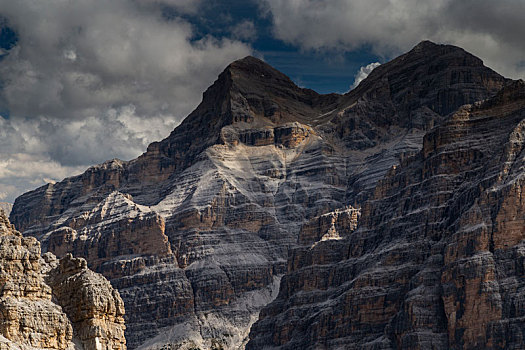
(438, 259)
(195, 232)
(94, 308)
(51, 304)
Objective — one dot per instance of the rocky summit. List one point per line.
(389, 217)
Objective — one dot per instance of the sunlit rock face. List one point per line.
(196, 232)
(6, 207)
(438, 259)
(46, 303)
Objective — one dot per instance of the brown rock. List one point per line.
(28, 317)
(46, 304)
(97, 313)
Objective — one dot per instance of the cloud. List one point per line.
(181, 6)
(484, 27)
(21, 172)
(244, 30)
(35, 151)
(363, 72)
(93, 80)
(82, 55)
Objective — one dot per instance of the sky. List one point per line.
(85, 81)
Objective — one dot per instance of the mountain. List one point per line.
(195, 233)
(438, 259)
(54, 304)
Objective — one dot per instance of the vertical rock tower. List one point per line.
(47, 303)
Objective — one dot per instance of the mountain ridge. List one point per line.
(226, 195)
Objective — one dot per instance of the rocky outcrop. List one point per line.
(28, 317)
(332, 225)
(134, 232)
(437, 261)
(97, 312)
(195, 233)
(6, 207)
(47, 304)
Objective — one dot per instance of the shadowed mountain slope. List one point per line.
(438, 259)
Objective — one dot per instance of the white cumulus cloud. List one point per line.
(244, 30)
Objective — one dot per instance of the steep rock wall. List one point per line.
(51, 304)
(437, 261)
(197, 230)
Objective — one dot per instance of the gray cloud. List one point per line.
(93, 80)
(244, 30)
(492, 30)
(181, 6)
(79, 55)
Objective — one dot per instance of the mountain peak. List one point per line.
(443, 77)
(249, 63)
(425, 45)
(257, 70)
(249, 90)
(184, 229)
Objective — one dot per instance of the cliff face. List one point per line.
(46, 304)
(438, 259)
(195, 232)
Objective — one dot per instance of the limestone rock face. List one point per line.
(195, 233)
(437, 260)
(28, 317)
(47, 304)
(331, 225)
(97, 313)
